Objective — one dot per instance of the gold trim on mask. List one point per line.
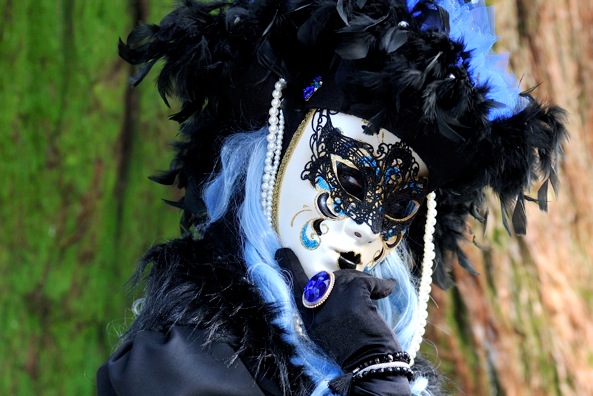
(305, 209)
(408, 217)
(336, 158)
(282, 169)
(378, 256)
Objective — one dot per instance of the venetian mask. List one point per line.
(345, 198)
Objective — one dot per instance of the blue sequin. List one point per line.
(338, 208)
(392, 171)
(311, 88)
(371, 163)
(321, 183)
(308, 243)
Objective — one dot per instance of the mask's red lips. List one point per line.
(348, 260)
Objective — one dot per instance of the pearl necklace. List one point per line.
(274, 138)
(426, 278)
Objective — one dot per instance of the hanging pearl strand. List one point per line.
(274, 138)
(426, 277)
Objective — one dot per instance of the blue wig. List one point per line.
(242, 174)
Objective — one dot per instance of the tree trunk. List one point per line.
(524, 326)
(77, 210)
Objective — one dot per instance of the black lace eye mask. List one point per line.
(378, 187)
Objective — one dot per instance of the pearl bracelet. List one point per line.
(398, 368)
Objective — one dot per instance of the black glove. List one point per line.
(347, 325)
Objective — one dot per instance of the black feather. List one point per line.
(189, 283)
(393, 39)
(341, 12)
(519, 217)
(220, 60)
(542, 196)
(341, 385)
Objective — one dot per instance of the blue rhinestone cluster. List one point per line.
(318, 289)
(311, 88)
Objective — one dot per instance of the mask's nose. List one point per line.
(360, 233)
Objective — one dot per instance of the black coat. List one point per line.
(177, 363)
(203, 330)
(199, 300)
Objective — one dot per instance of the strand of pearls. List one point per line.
(426, 278)
(274, 138)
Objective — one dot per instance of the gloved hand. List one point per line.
(347, 325)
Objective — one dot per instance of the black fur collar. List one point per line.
(196, 283)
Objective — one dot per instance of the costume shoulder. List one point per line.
(175, 363)
(201, 284)
(191, 282)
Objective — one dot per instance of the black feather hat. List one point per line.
(419, 68)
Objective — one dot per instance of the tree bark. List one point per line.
(77, 210)
(524, 326)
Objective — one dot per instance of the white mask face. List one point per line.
(344, 198)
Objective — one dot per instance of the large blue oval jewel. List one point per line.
(318, 289)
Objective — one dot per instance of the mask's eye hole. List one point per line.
(402, 211)
(351, 180)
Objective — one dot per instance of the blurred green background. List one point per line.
(76, 208)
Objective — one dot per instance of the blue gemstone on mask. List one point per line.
(317, 287)
(308, 92)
